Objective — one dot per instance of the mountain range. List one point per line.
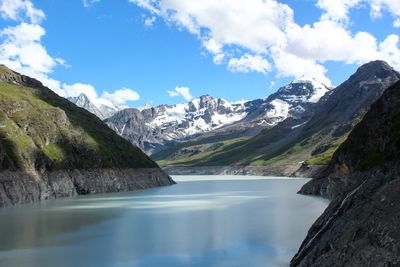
(155, 128)
(307, 138)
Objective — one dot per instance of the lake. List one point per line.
(221, 221)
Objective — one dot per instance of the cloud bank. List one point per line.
(262, 35)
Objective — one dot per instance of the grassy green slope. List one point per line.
(41, 131)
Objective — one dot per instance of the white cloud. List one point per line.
(215, 48)
(181, 91)
(149, 21)
(337, 10)
(327, 40)
(248, 34)
(121, 96)
(112, 99)
(248, 63)
(80, 88)
(288, 64)
(397, 23)
(390, 48)
(21, 50)
(88, 3)
(378, 6)
(20, 9)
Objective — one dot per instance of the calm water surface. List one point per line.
(203, 221)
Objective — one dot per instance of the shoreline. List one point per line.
(266, 171)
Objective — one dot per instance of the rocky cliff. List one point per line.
(51, 148)
(360, 226)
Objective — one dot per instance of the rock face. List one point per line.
(19, 187)
(360, 227)
(310, 136)
(155, 128)
(100, 110)
(51, 148)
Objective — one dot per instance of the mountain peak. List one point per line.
(374, 66)
(377, 70)
(83, 96)
(82, 99)
(144, 107)
(306, 79)
(206, 96)
(100, 110)
(305, 89)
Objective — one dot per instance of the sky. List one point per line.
(130, 53)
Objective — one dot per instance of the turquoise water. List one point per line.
(202, 221)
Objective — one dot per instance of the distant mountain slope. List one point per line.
(50, 148)
(361, 225)
(154, 129)
(311, 136)
(101, 111)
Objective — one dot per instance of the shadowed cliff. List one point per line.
(360, 227)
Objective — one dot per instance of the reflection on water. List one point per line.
(199, 222)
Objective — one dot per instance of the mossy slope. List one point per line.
(40, 131)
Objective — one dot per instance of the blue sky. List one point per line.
(104, 47)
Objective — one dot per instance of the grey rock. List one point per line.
(21, 187)
(360, 226)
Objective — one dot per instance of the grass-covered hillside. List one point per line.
(41, 131)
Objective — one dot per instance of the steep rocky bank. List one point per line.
(21, 187)
(360, 226)
(51, 148)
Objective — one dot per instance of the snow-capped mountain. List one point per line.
(154, 128)
(101, 111)
(292, 100)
